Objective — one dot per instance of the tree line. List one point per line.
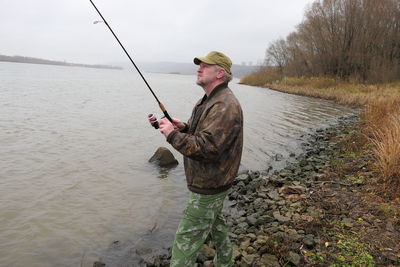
(33, 60)
(350, 39)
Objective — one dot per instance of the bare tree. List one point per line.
(343, 38)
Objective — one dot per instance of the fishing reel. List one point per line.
(153, 120)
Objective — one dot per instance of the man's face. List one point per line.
(207, 74)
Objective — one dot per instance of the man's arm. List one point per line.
(219, 129)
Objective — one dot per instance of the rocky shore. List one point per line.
(276, 218)
(272, 215)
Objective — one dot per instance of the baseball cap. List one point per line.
(215, 58)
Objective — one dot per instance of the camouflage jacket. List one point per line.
(211, 142)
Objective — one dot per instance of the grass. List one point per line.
(351, 252)
(380, 114)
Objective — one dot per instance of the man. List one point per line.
(211, 143)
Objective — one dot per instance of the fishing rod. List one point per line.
(140, 73)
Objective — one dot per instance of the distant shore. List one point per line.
(32, 60)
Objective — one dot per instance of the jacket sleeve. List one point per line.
(219, 128)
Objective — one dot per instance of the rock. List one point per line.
(273, 194)
(245, 178)
(309, 241)
(348, 222)
(251, 236)
(261, 240)
(251, 250)
(277, 215)
(278, 157)
(252, 220)
(265, 219)
(292, 189)
(254, 175)
(303, 162)
(308, 168)
(293, 235)
(163, 158)
(236, 253)
(245, 244)
(294, 258)
(285, 174)
(249, 259)
(280, 237)
(206, 253)
(269, 260)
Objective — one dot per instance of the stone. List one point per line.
(273, 194)
(206, 253)
(252, 220)
(280, 217)
(251, 236)
(163, 157)
(245, 244)
(236, 253)
(254, 174)
(251, 250)
(308, 168)
(265, 219)
(269, 260)
(309, 241)
(278, 157)
(294, 258)
(245, 178)
(348, 222)
(293, 235)
(249, 259)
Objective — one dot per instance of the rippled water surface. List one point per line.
(75, 144)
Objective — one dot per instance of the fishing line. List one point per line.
(140, 73)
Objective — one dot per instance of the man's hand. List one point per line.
(178, 125)
(166, 127)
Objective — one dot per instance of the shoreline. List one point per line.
(277, 219)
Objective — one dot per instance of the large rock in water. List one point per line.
(163, 158)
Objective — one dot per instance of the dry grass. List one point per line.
(262, 77)
(387, 152)
(380, 115)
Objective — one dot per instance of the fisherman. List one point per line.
(211, 143)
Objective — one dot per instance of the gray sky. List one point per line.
(150, 30)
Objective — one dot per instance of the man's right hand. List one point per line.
(178, 125)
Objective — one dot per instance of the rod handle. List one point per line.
(165, 113)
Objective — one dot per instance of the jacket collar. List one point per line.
(216, 89)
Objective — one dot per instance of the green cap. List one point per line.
(215, 58)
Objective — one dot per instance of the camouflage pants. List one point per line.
(202, 216)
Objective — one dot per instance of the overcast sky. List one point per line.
(150, 30)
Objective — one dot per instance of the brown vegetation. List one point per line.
(350, 39)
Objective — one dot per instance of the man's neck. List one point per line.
(209, 88)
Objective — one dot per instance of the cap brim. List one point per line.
(198, 60)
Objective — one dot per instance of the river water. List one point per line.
(74, 147)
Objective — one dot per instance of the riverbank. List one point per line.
(318, 211)
(380, 116)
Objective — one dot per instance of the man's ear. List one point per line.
(221, 73)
